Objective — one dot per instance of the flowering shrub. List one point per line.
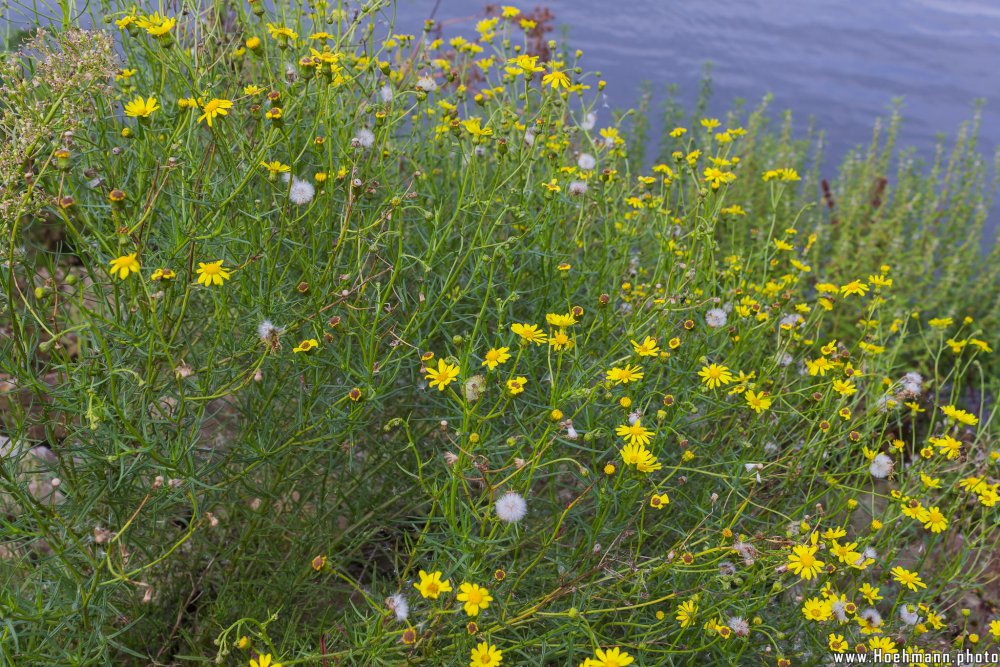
(325, 345)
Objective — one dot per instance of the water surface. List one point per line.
(841, 62)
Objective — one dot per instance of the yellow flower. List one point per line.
(884, 645)
(934, 520)
(909, 579)
(715, 375)
(686, 612)
(948, 446)
(560, 340)
(816, 609)
(556, 78)
(516, 385)
(659, 500)
(803, 562)
(431, 585)
(141, 108)
(837, 643)
(635, 434)
(215, 107)
(443, 376)
(281, 32)
(496, 356)
(212, 273)
(940, 322)
(640, 457)
(264, 661)
(486, 655)
(759, 401)
(783, 174)
(509, 11)
(962, 416)
(844, 387)
(306, 345)
(524, 64)
(647, 348)
(870, 593)
(625, 375)
(156, 25)
(124, 265)
(557, 320)
(276, 167)
(476, 598)
(818, 366)
(529, 333)
(613, 657)
(163, 274)
(473, 127)
(854, 287)
(995, 629)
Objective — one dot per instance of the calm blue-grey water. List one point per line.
(841, 62)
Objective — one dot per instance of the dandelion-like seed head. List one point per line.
(716, 317)
(301, 192)
(881, 466)
(398, 605)
(365, 138)
(511, 507)
(586, 161)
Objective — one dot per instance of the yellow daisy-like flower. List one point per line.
(948, 446)
(475, 597)
(816, 609)
(561, 321)
(264, 661)
(214, 107)
(431, 585)
(640, 457)
(635, 434)
(281, 32)
(659, 500)
(516, 385)
(715, 375)
(803, 562)
(869, 593)
(212, 273)
(122, 266)
(613, 657)
(844, 387)
(306, 345)
(486, 655)
(556, 78)
(647, 348)
(961, 416)
(686, 612)
(530, 333)
(156, 25)
(560, 340)
(758, 402)
(625, 375)
(444, 375)
(496, 356)
(141, 108)
(909, 579)
(276, 167)
(854, 287)
(934, 520)
(163, 274)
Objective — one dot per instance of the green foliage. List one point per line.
(189, 462)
